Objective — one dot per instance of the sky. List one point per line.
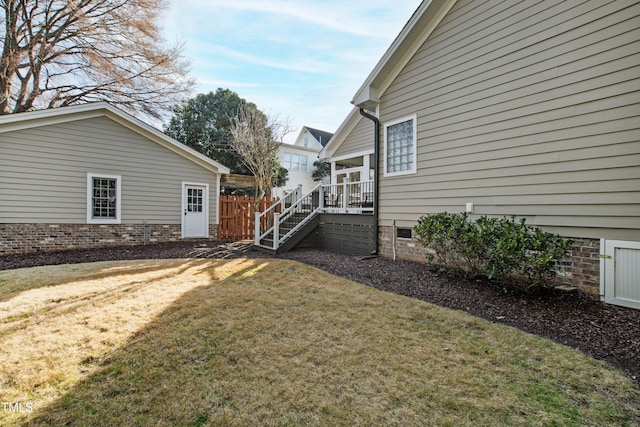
(302, 60)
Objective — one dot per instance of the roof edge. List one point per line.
(415, 32)
(19, 121)
(339, 135)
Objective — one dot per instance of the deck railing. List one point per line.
(349, 197)
(293, 211)
(265, 221)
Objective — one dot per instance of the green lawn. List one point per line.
(273, 342)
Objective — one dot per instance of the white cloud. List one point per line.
(302, 60)
(367, 18)
(306, 66)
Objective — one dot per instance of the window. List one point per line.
(194, 199)
(103, 199)
(400, 146)
(295, 162)
(403, 233)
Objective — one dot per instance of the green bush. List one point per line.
(510, 252)
(456, 243)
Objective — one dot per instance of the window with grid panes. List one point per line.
(400, 146)
(105, 198)
(295, 162)
(194, 199)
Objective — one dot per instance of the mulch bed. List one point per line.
(606, 332)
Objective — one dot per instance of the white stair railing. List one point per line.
(346, 197)
(302, 204)
(264, 221)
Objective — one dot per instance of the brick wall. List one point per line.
(404, 248)
(24, 238)
(581, 267)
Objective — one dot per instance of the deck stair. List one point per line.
(288, 221)
(285, 224)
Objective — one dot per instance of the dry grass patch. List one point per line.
(274, 342)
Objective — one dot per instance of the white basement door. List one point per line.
(621, 273)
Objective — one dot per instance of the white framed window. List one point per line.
(103, 198)
(400, 146)
(295, 162)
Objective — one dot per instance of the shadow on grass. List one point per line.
(13, 282)
(162, 375)
(201, 362)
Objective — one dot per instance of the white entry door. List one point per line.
(195, 210)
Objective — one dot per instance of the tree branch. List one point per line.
(65, 52)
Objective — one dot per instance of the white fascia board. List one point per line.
(299, 137)
(367, 98)
(20, 121)
(415, 32)
(340, 134)
(37, 118)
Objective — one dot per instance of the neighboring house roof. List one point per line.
(419, 27)
(19, 121)
(321, 136)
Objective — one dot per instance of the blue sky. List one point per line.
(302, 60)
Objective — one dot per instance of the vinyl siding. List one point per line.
(525, 108)
(360, 139)
(43, 173)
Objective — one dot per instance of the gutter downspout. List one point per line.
(376, 143)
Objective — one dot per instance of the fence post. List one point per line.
(257, 228)
(276, 230)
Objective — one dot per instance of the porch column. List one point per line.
(333, 173)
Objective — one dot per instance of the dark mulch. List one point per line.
(604, 331)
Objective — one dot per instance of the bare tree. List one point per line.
(257, 137)
(63, 52)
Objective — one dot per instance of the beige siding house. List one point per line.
(92, 175)
(350, 151)
(514, 108)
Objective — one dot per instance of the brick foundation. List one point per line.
(581, 267)
(25, 238)
(407, 249)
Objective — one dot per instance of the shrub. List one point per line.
(457, 243)
(510, 252)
